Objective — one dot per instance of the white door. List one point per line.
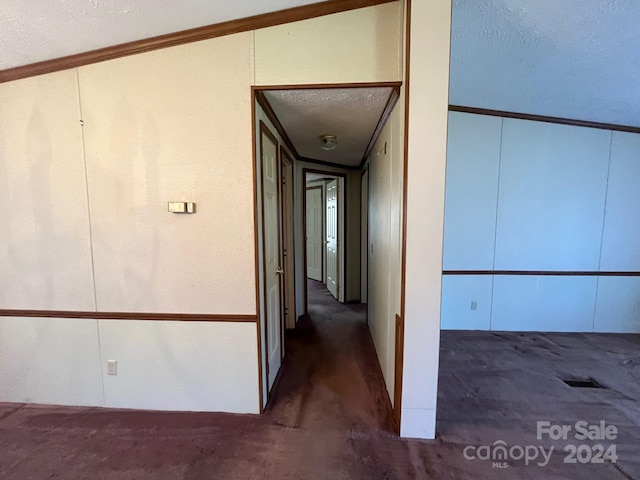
(315, 241)
(271, 252)
(332, 238)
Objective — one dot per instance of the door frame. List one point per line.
(264, 130)
(257, 96)
(342, 225)
(288, 194)
(333, 240)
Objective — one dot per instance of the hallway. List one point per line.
(331, 379)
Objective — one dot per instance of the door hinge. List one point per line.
(284, 252)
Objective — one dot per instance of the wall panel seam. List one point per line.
(604, 220)
(93, 270)
(86, 186)
(495, 229)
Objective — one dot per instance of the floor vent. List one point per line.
(587, 383)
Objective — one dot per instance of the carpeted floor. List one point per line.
(330, 417)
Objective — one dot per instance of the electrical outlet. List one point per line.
(112, 367)
(474, 305)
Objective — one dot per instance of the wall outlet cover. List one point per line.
(112, 367)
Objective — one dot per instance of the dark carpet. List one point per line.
(330, 417)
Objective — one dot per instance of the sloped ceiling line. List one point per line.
(42, 37)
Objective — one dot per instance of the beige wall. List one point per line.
(385, 240)
(89, 228)
(172, 125)
(45, 251)
(358, 46)
(427, 153)
(168, 125)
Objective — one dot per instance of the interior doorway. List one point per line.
(313, 144)
(324, 227)
(271, 202)
(314, 221)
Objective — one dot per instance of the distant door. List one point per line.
(270, 170)
(315, 241)
(332, 238)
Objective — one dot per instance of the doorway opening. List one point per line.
(313, 154)
(324, 226)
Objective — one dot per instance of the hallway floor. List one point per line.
(330, 417)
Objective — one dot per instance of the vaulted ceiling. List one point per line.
(576, 59)
(567, 58)
(36, 30)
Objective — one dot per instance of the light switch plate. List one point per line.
(177, 207)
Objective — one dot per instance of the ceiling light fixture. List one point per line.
(328, 142)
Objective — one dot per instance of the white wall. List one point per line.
(551, 195)
(168, 365)
(50, 360)
(386, 163)
(89, 230)
(475, 177)
(197, 366)
(94, 213)
(620, 244)
(427, 134)
(532, 196)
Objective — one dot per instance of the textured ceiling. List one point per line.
(313, 177)
(35, 30)
(350, 113)
(566, 58)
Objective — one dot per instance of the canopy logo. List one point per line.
(500, 454)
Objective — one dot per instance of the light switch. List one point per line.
(182, 207)
(177, 207)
